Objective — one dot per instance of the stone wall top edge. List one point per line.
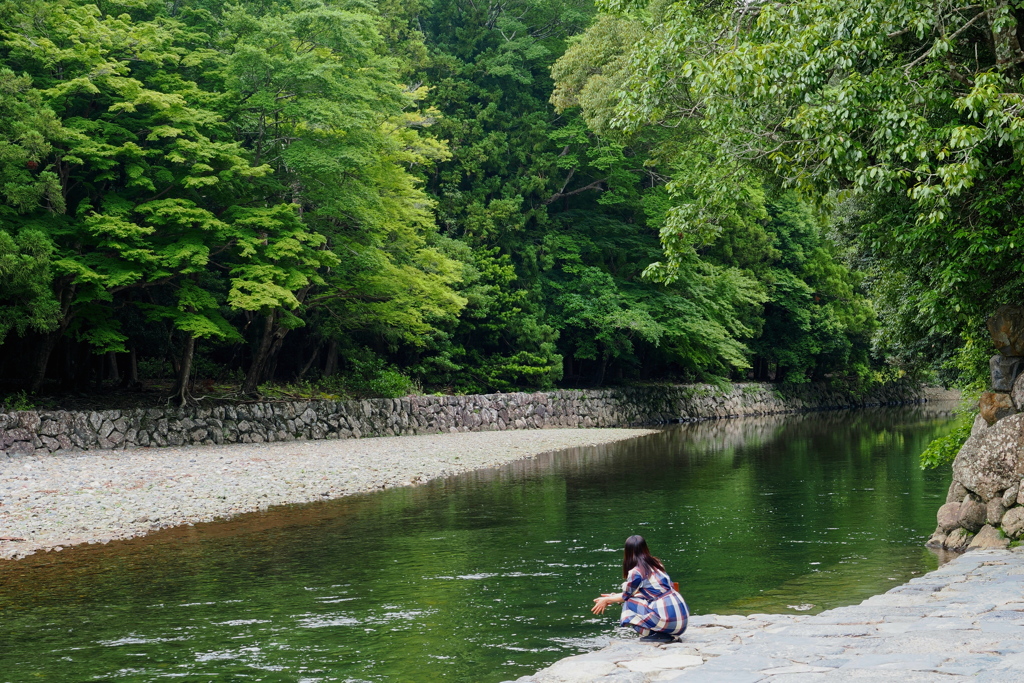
(774, 391)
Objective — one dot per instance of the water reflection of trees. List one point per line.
(830, 504)
(725, 436)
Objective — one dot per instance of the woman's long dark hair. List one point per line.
(637, 555)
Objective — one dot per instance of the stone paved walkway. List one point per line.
(962, 622)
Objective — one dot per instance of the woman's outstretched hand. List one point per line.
(605, 600)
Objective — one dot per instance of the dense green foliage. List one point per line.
(363, 197)
(225, 173)
(902, 118)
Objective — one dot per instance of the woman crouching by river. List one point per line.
(651, 605)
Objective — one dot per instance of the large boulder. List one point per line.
(1017, 392)
(1013, 522)
(989, 537)
(956, 492)
(1007, 329)
(994, 511)
(937, 539)
(949, 517)
(995, 406)
(992, 461)
(1010, 496)
(1004, 370)
(958, 539)
(972, 514)
(979, 425)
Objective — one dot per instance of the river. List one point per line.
(488, 576)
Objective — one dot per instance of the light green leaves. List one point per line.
(26, 302)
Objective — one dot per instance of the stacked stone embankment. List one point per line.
(41, 432)
(985, 504)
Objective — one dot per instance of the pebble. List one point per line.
(59, 500)
(963, 621)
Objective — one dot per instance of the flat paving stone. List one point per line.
(890, 662)
(797, 669)
(710, 677)
(672, 661)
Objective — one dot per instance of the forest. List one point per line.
(349, 197)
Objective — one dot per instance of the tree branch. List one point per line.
(956, 33)
(596, 185)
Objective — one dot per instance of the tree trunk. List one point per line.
(68, 378)
(42, 359)
(172, 354)
(271, 371)
(1007, 45)
(601, 368)
(97, 369)
(331, 366)
(115, 374)
(185, 369)
(309, 363)
(275, 353)
(258, 367)
(130, 378)
(66, 294)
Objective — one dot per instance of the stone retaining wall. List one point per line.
(985, 504)
(40, 432)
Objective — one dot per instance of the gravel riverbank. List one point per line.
(961, 622)
(53, 501)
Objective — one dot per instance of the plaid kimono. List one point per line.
(652, 605)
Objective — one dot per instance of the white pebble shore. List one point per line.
(55, 501)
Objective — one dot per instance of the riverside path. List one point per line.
(961, 622)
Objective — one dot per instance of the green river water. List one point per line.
(489, 576)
